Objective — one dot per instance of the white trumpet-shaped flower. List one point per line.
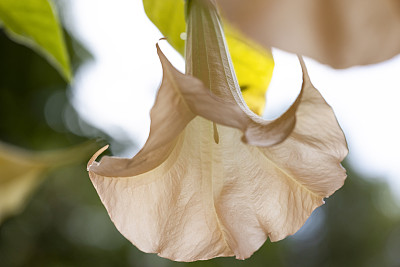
(214, 179)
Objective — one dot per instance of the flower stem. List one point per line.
(207, 55)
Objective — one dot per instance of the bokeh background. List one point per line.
(116, 74)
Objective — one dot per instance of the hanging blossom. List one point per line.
(213, 178)
(341, 33)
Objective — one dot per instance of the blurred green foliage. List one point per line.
(26, 85)
(65, 223)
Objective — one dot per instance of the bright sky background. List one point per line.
(116, 91)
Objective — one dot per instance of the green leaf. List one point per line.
(34, 23)
(253, 64)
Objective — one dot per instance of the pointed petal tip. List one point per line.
(94, 157)
(306, 77)
(159, 40)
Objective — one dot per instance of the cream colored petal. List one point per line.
(341, 33)
(169, 116)
(208, 200)
(179, 99)
(170, 209)
(230, 109)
